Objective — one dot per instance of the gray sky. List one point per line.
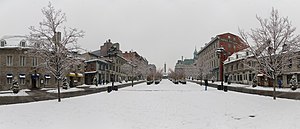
(160, 30)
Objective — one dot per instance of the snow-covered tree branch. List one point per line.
(273, 44)
(54, 44)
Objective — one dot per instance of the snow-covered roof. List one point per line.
(92, 60)
(238, 56)
(13, 42)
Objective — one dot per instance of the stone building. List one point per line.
(110, 56)
(17, 64)
(96, 68)
(187, 67)
(239, 71)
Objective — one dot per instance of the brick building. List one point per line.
(209, 63)
(138, 65)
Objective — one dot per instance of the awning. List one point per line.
(47, 77)
(9, 76)
(260, 75)
(72, 75)
(79, 75)
(22, 76)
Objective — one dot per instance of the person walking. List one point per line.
(279, 83)
(206, 84)
(95, 81)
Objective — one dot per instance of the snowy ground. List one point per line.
(163, 106)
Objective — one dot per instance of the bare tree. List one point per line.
(273, 45)
(54, 43)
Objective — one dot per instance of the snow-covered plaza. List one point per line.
(162, 106)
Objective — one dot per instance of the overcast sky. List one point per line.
(160, 30)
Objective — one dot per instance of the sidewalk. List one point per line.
(25, 96)
(265, 91)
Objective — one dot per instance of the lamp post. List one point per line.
(221, 53)
(112, 54)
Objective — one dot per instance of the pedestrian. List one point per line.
(279, 83)
(229, 79)
(95, 81)
(254, 82)
(206, 83)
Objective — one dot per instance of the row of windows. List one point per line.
(9, 79)
(242, 77)
(22, 61)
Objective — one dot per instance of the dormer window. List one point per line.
(2, 43)
(23, 43)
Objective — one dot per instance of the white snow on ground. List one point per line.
(163, 106)
(10, 93)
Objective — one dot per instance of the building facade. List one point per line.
(138, 65)
(16, 64)
(105, 64)
(239, 71)
(187, 67)
(208, 62)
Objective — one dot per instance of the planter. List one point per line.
(220, 87)
(15, 90)
(109, 89)
(225, 88)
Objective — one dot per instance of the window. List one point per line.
(290, 63)
(3, 43)
(9, 61)
(22, 79)
(9, 78)
(22, 60)
(34, 61)
(23, 43)
(47, 79)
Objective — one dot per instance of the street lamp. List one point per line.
(221, 53)
(112, 54)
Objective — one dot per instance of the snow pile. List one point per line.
(10, 93)
(74, 89)
(163, 106)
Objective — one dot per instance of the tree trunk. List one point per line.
(58, 91)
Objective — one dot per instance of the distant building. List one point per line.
(187, 66)
(138, 65)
